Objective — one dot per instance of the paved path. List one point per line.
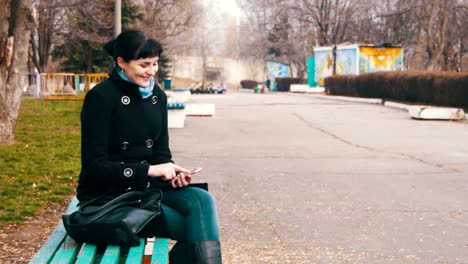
(304, 179)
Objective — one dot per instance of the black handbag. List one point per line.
(114, 221)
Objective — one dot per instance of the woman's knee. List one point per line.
(200, 197)
(187, 199)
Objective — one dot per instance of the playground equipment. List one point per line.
(52, 85)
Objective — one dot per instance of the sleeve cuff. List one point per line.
(133, 176)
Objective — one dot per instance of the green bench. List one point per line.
(62, 249)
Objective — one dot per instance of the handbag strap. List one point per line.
(124, 199)
(80, 204)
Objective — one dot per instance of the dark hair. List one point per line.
(133, 45)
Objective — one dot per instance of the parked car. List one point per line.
(218, 89)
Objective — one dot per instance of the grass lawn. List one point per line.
(43, 166)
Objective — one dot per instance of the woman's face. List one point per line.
(139, 71)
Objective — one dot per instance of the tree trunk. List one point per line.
(13, 63)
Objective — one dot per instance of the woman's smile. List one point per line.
(140, 71)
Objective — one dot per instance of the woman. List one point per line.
(125, 146)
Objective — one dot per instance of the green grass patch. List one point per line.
(42, 167)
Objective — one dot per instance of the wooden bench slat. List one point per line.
(160, 251)
(111, 255)
(48, 250)
(87, 254)
(67, 252)
(61, 249)
(73, 206)
(135, 254)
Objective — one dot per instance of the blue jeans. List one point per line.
(189, 214)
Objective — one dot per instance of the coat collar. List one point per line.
(129, 88)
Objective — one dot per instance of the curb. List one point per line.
(430, 112)
(436, 113)
(350, 99)
(440, 113)
(397, 105)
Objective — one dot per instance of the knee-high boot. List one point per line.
(180, 253)
(206, 252)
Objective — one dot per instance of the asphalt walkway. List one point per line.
(304, 179)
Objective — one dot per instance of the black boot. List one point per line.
(180, 253)
(206, 252)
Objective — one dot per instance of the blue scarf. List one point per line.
(145, 92)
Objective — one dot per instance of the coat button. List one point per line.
(144, 162)
(148, 185)
(154, 99)
(128, 189)
(125, 100)
(124, 145)
(149, 143)
(128, 172)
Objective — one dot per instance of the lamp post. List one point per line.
(117, 17)
(334, 60)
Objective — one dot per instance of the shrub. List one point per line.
(284, 84)
(250, 84)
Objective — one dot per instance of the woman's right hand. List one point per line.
(167, 171)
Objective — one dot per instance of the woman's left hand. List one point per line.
(181, 180)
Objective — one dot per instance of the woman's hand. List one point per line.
(166, 171)
(181, 180)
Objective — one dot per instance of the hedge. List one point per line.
(250, 84)
(435, 88)
(284, 84)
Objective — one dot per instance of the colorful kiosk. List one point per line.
(277, 69)
(357, 59)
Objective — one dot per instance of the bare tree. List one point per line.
(14, 36)
(289, 42)
(291, 29)
(89, 26)
(165, 19)
(443, 29)
(330, 18)
(459, 59)
(260, 19)
(433, 33)
(48, 22)
(434, 17)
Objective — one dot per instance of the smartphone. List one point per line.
(193, 171)
(196, 170)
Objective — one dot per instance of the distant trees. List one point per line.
(432, 32)
(165, 20)
(290, 30)
(89, 26)
(72, 32)
(443, 28)
(331, 19)
(47, 22)
(38, 34)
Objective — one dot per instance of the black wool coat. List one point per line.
(121, 135)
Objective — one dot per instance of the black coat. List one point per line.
(121, 134)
